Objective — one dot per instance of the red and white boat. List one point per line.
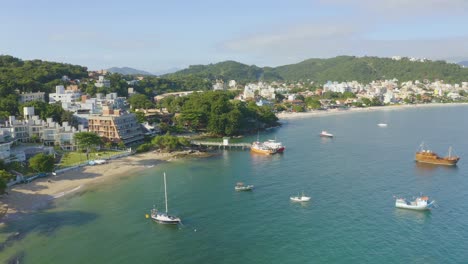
(275, 145)
(326, 134)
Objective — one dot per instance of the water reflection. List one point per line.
(258, 158)
(417, 216)
(429, 169)
(326, 140)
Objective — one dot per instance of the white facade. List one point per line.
(62, 95)
(102, 82)
(219, 86)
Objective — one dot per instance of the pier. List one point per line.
(221, 145)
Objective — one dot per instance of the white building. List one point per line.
(389, 97)
(232, 84)
(219, 86)
(102, 82)
(248, 92)
(33, 128)
(62, 95)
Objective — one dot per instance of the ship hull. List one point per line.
(446, 163)
(262, 151)
(436, 160)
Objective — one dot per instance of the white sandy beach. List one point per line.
(36, 195)
(318, 113)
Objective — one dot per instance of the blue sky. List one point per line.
(160, 35)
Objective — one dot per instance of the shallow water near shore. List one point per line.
(351, 218)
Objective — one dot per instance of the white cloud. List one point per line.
(329, 40)
(290, 38)
(399, 7)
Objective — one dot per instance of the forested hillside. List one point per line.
(34, 75)
(342, 68)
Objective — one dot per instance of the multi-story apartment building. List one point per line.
(64, 96)
(32, 128)
(28, 97)
(115, 126)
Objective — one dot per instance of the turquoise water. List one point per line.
(351, 218)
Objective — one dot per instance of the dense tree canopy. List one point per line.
(87, 140)
(218, 114)
(42, 162)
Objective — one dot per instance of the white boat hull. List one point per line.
(300, 199)
(412, 207)
(420, 204)
(165, 219)
(244, 188)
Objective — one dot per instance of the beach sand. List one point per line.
(318, 113)
(40, 194)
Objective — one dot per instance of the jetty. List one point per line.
(225, 144)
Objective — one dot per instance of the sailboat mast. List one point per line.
(450, 152)
(165, 190)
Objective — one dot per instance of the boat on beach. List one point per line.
(420, 203)
(300, 198)
(326, 134)
(428, 156)
(240, 186)
(164, 217)
(275, 145)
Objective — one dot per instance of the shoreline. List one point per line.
(318, 113)
(40, 194)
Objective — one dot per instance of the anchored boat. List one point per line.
(259, 147)
(275, 145)
(300, 198)
(420, 203)
(164, 217)
(428, 156)
(241, 187)
(326, 134)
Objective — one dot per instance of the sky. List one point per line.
(156, 35)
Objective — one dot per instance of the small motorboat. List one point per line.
(420, 203)
(382, 125)
(240, 186)
(326, 134)
(300, 198)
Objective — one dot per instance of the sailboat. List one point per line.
(164, 218)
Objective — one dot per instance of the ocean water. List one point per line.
(351, 217)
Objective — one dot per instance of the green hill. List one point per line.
(227, 70)
(34, 75)
(128, 71)
(342, 68)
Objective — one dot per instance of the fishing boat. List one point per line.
(420, 203)
(164, 217)
(300, 198)
(275, 145)
(428, 156)
(382, 125)
(259, 147)
(240, 186)
(326, 134)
